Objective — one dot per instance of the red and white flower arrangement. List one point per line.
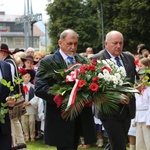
(99, 82)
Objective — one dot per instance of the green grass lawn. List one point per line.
(39, 145)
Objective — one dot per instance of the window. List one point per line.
(19, 41)
(3, 40)
(36, 41)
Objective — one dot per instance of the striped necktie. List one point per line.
(118, 61)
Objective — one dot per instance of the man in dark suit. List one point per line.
(64, 134)
(5, 129)
(117, 125)
(17, 133)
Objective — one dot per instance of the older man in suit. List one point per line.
(64, 134)
(5, 129)
(117, 125)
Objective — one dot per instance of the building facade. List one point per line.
(13, 34)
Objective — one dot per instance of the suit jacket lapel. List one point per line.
(126, 65)
(59, 60)
(106, 55)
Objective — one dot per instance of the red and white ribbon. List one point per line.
(71, 78)
(73, 93)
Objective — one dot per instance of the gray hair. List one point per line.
(109, 34)
(71, 32)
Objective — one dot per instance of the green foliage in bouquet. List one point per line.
(3, 106)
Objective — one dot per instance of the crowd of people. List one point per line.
(43, 115)
(23, 65)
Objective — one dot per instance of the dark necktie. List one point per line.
(118, 61)
(70, 59)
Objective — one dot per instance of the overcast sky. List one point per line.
(16, 7)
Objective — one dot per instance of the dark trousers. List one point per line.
(76, 136)
(5, 142)
(117, 130)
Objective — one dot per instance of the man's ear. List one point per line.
(59, 42)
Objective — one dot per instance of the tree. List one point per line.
(130, 17)
(75, 14)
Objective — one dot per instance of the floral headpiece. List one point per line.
(22, 71)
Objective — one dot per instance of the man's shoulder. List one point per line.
(80, 59)
(129, 56)
(3, 63)
(56, 55)
(98, 55)
(11, 61)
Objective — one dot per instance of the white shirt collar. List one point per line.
(112, 55)
(63, 54)
(65, 57)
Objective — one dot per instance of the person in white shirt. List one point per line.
(142, 118)
(28, 119)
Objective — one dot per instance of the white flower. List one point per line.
(104, 62)
(120, 82)
(100, 75)
(122, 70)
(107, 77)
(117, 75)
(114, 86)
(115, 67)
(105, 72)
(108, 65)
(98, 61)
(115, 82)
(108, 61)
(113, 60)
(113, 78)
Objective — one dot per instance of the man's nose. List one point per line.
(73, 46)
(119, 45)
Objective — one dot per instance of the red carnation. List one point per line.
(93, 87)
(92, 67)
(95, 80)
(94, 61)
(107, 68)
(81, 83)
(83, 68)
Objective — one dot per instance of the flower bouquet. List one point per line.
(98, 81)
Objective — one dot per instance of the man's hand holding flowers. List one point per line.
(126, 99)
(58, 100)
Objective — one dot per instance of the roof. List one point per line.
(8, 18)
(11, 18)
(37, 31)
